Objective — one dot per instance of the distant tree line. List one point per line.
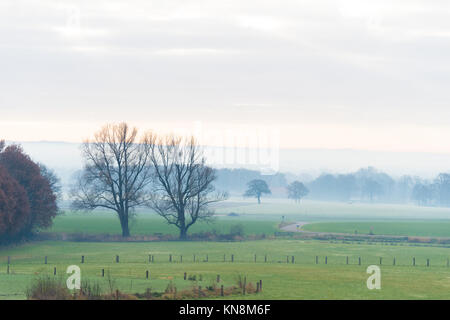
(366, 184)
(433, 193)
(28, 195)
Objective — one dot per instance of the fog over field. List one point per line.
(65, 158)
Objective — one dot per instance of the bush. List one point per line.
(48, 288)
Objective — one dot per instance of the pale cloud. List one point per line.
(330, 68)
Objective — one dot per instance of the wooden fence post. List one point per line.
(170, 258)
(181, 259)
(221, 290)
(265, 258)
(146, 274)
(7, 269)
(245, 285)
(381, 261)
(218, 278)
(194, 257)
(414, 261)
(428, 262)
(260, 285)
(9, 260)
(232, 258)
(359, 260)
(293, 259)
(103, 272)
(117, 259)
(45, 260)
(82, 259)
(54, 271)
(393, 262)
(326, 260)
(185, 276)
(317, 260)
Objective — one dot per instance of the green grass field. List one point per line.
(264, 218)
(400, 228)
(148, 224)
(302, 280)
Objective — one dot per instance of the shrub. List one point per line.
(48, 288)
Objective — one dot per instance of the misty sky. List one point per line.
(354, 74)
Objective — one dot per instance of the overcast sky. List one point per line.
(334, 74)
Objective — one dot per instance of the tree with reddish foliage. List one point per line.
(41, 198)
(14, 207)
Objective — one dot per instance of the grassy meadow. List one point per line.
(303, 279)
(398, 228)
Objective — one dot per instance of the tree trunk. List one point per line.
(125, 231)
(182, 224)
(124, 225)
(183, 233)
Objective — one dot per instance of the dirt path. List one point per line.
(295, 227)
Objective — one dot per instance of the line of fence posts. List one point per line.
(151, 259)
(291, 260)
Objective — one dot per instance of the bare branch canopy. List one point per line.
(182, 188)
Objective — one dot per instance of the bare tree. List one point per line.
(182, 189)
(116, 173)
